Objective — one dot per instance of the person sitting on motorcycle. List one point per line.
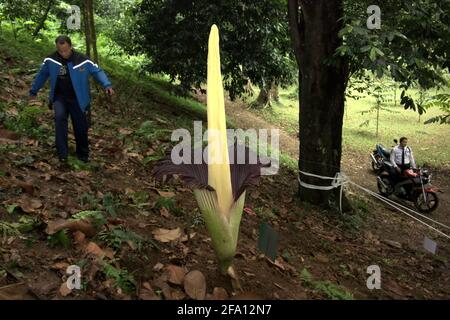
(402, 158)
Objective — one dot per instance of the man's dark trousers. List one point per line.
(394, 176)
(64, 106)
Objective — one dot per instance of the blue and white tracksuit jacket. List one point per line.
(80, 67)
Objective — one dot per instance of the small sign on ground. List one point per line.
(268, 240)
(429, 245)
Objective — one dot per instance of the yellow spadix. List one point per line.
(219, 176)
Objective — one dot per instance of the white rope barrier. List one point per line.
(415, 218)
(340, 180)
(406, 208)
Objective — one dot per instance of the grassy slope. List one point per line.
(430, 142)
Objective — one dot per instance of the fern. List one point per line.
(118, 235)
(122, 278)
(96, 217)
(7, 229)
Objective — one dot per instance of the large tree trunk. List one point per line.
(314, 30)
(43, 19)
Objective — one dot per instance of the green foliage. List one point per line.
(378, 92)
(410, 46)
(352, 221)
(110, 203)
(151, 132)
(24, 161)
(140, 199)
(89, 200)
(264, 213)
(96, 217)
(78, 165)
(441, 101)
(331, 290)
(159, 154)
(118, 235)
(123, 279)
(169, 204)
(116, 22)
(10, 208)
(27, 121)
(59, 239)
(23, 13)
(255, 43)
(8, 229)
(197, 220)
(27, 224)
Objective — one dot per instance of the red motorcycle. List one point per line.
(413, 185)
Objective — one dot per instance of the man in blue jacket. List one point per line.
(69, 73)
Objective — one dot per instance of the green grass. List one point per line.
(429, 141)
(122, 278)
(331, 290)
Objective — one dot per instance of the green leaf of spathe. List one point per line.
(224, 232)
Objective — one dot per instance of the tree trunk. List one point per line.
(314, 30)
(43, 19)
(13, 25)
(263, 99)
(93, 36)
(87, 32)
(267, 95)
(274, 92)
(248, 88)
(378, 117)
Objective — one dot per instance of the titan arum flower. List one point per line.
(219, 187)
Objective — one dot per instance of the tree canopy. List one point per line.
(255, 43)
(411, 45)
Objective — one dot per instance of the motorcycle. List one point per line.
(414, 186)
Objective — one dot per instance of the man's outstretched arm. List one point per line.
(100, 76)
(40, 80)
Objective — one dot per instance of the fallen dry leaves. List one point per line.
(176, 274)
(167, 235)
(29, 205)
(85, 226)
(195, 285)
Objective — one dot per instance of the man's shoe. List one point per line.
(84, 159)
(63, 163)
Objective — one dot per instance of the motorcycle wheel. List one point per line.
(385, 192)
(430, 205)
